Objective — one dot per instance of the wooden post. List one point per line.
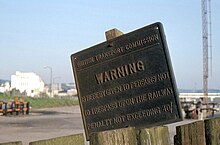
(212, 127)
(113, 33)
(125, 136)
(190, 134)
(130, 136)
(154, 136)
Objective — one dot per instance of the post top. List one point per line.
(113, 33)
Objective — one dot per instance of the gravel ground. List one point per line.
(41, 124)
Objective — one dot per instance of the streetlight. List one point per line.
(54, 78)
(55, 86)
(51, 81)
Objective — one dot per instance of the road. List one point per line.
(41, 124)
(50, 123)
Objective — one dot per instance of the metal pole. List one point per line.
(51, 80)
(205, 49)
(55, 83)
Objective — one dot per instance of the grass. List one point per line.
(45, 102)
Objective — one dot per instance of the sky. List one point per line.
(38, 33)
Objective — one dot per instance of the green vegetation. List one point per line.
(45, 102)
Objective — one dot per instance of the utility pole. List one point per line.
(51, 79)
(205, 48)
(207, 43)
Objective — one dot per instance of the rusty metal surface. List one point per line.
(127, 82)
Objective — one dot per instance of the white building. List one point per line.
(195, 96)
(27, 82)
(5, 87)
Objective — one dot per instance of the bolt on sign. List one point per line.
(127, 81)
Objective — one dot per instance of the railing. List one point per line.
(191, 112)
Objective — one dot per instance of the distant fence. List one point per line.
(14, 107)
(190, 110)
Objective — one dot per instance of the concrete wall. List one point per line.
(77, 139)
(12, 143)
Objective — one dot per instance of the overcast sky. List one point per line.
(35, 33)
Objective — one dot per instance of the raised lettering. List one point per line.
(119, 72)
(140, 65)
(132, 68)
(113, 74)
(99, 78)
(106, 77)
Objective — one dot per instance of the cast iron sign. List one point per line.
(127, 82)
